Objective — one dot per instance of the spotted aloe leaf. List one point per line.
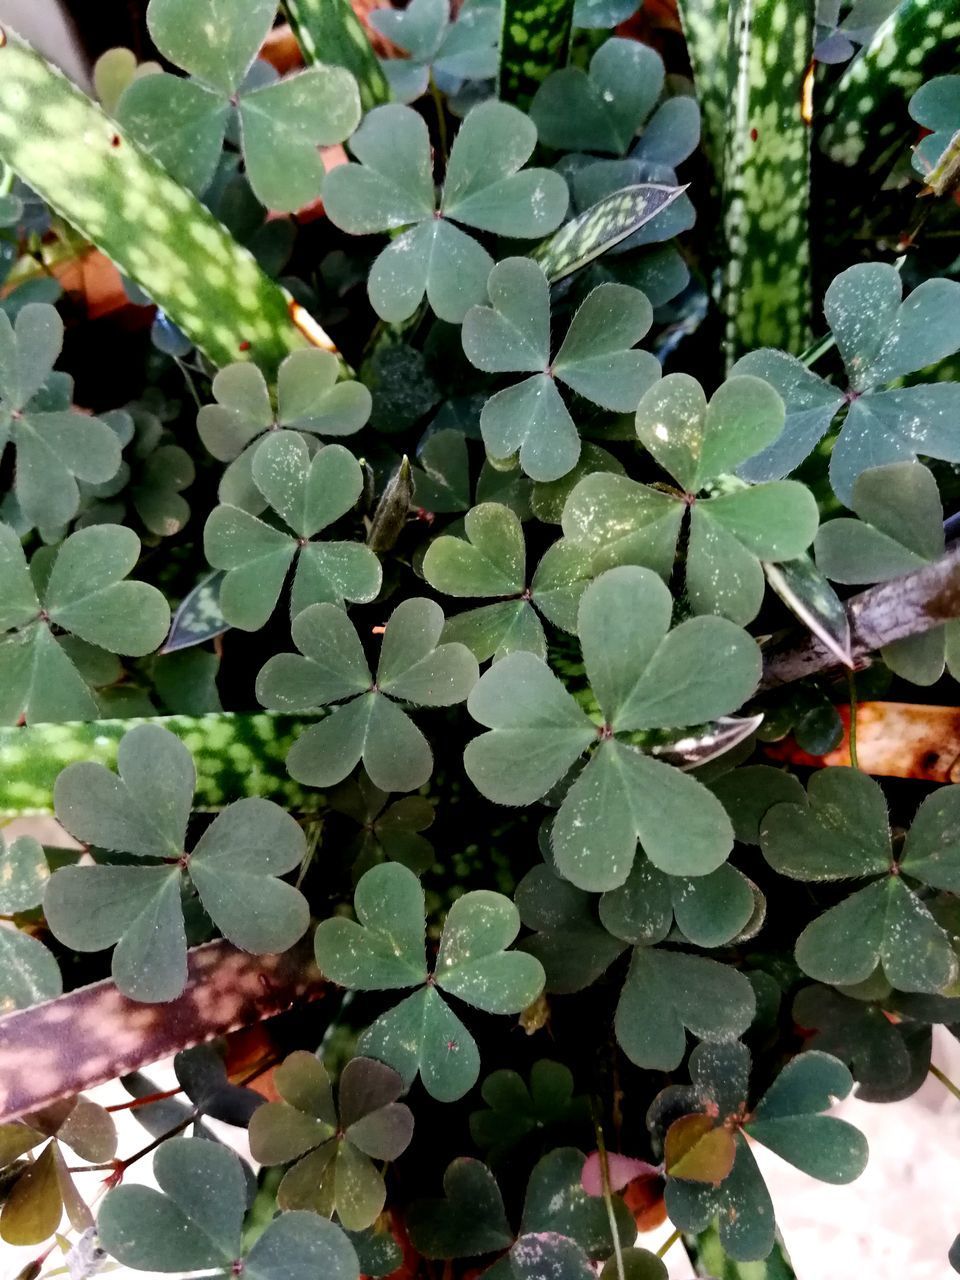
(842, 833)
(370, 722)
(329, 31)
(384, 950)
(525, 62)
(643, 677)
(195, 1222)
(486, 187)
(142, 811)
(595, 359)
(766, 177)
(189, 265)
(705, 28)
(334, 1147)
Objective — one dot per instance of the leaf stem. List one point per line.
(608, 1195)
(441, 119)
(670, 1241)
(945, 1081)
(852, 731)
(145, 1100)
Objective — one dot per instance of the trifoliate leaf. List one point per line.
(515, 1110)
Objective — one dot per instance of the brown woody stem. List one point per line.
(906, 606)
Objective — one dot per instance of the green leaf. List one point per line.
(616, 521)
(931, 850)
(217, 43)
(256, 557)
(442, 481)
(514, 333)
(548, 500)
(843, 832)
(309, 494)
(393, 185)
(741, 1204)
(823, 1146)
(538, 731)
(623, 797)
(556, 1203)
(385, 950)
(336, 31)
(514, 1109)
(470, 1219)
(668, 991)
(492, 563)
(494, 630)
(29, 972)
(86, 595)
(423, 1035)
(39, 682)
(749, 793)
(309, 397)
(571, 945)
(299, 1246)
(594, 358)
(23, 874)
(473, 963)
(284, 125)
(18, 598)
(530, 417)
(413, 664)
(525, 63)
(602, 110)
(180, 123)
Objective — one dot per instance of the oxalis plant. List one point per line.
(479, 594)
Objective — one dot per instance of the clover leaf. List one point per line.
(594, 360)
(55, 447)
(23, 873)
(842, 833)
(603, 109)
(309, 399)
(732, 527)
(936, 107)
(644, 677)
(37, 1195)
(369, 724)
(452, 52)
(569, 940)
(392, 188)
(470, 1219)
(384, 950)
(143, 811)
(880, 339)
(388, 831)
(182, 122)
(83, 594)
(195, 1222)
(490, 562)
(899, 529)
(787, 1119)
(309, 495)
(442, 479)
(515, 1110)
(334, 1170)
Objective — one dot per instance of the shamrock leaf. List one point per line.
(471, 1219)
(570, 943)
(644, 677)
(787, 1120)
(36, 1197)
(385, 950)
(55, 447)
(82, 593)
(516, 1110)
(195, 1222)
(143, 811)
(183, 122)
(23, 874)
(369, 724)
(29, 974)
(392, 188)
(842, 833)
(334, 1170)
(936, 107)
(202, 1074)
(880, 339)
(899, 529)
(595, 360)
(732, 527)
(309, 399)
(491, 562)
(453, 52)
(442, 480)
(601, 110)
(308, 495)
(388, 831)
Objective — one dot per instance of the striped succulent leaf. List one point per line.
(865, 119)
(705, 28)
(235, 755)
(766, 295)
(602, 226)
(329, 31)
(86, 168)
(534, 40)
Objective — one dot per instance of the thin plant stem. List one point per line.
(852, 733)
(670, 1241)
(441, 119)
(945, 1081)
(145, 1100)
(608, 1196)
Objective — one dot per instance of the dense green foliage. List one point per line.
(451, 645)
